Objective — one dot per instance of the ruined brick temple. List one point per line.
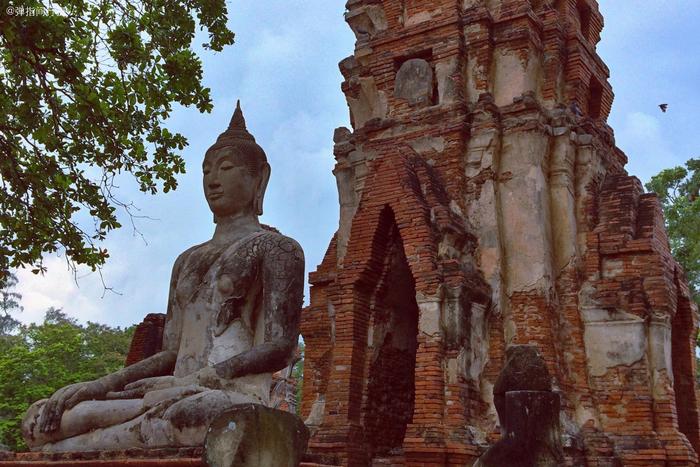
(483, 203)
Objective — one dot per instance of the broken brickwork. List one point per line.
(483, 203)
(148, 338)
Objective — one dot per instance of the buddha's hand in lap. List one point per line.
(138, 389)
(65, 399)
(208, 377)
(204, 378)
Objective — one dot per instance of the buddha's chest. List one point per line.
(218, 302)
(214, 274)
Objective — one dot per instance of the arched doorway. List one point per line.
(392, 342)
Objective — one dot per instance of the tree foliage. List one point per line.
(679, 191)
(9, 303)
(42, 358)
(85, 89)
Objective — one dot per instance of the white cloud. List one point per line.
(133, 283)
(57, 288)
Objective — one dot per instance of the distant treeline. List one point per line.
(38, 359)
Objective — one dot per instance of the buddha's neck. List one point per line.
(232, 228)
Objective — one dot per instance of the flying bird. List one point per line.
(663, 107)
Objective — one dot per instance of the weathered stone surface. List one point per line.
(524, 370)
(414, 82)
(366, 21)
(531, 435)
(232, 321)
(252, 435)
(528, 412)
(366, 102)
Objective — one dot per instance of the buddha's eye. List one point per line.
(226, 166)
(206, 171)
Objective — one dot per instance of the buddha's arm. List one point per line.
(283, 293)
(66, 398)
(160, 364)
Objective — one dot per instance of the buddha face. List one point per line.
(231, 185)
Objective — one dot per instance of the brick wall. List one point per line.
(148, 338)
(480, 150)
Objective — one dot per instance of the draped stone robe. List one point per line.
(225, 301)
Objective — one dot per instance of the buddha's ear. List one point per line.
(262, 186)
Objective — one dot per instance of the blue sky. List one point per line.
(283, 67)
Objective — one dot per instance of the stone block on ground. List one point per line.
(531, 435)
(251, 435)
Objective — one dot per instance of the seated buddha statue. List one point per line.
(232, 321)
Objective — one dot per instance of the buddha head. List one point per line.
(235, 171)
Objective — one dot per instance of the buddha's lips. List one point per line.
(214, 196)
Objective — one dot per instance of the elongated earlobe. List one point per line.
(260, 197)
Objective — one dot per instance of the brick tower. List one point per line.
(483, 203)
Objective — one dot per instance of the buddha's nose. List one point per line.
(213, 183)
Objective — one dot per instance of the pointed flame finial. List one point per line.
(237, 121)
(236, 130)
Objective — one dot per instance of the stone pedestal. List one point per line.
(251, 435)
(169, 457)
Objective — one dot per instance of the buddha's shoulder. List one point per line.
(182, 257)
(266, 243)
(272, 242)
